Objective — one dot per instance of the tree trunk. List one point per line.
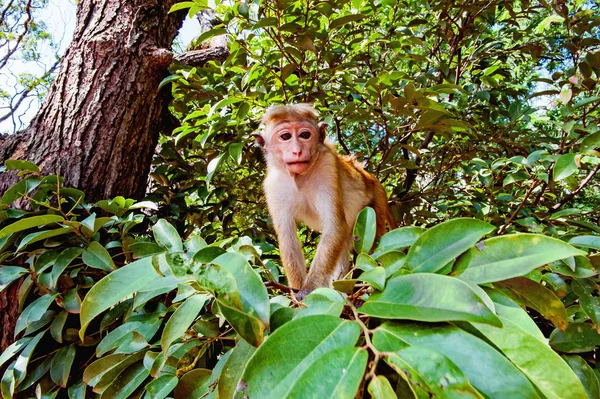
(100, 121)
(99, 124)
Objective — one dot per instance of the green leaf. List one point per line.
(56, 328)
(376, 277)
(60, 367)
(63, 260)
(428, 297)
(511, 310)
(380, 388)
(34, 312)
(336, 23)
(30, 222)
(501, 258)
(550, 374)
(42, 235)
(22, 362)
(21, 164)
(96, 256)
(182, 6)
(234, 368)
(585, 373)
(342, 368)
(13, 349)
(564, 167)
(167, 236)
(253, 296)
(181, 320)
(322, 301)
(8, 274)
(161, 387)
(392, 261)
(210, 34)
(213, 165)
(582, 102)
(539, 298)
(432, 371)
(592, 242)
(364, 230)
(577, 338)
(444, 242)
(488, 371)
(77, 390)
(126, 382)
(115, 287)
(193, 384)
(398, 239)
(278, 365)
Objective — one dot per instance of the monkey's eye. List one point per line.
(285, 136)
(305, 134)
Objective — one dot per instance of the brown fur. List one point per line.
(308, 181)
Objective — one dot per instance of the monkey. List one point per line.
(307, 181)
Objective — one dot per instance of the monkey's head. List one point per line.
(291, 137)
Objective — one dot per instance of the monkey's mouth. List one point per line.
(299, 163)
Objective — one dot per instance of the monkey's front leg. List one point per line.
(334, 239)
(291, 251)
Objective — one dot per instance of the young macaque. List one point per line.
(309, 182)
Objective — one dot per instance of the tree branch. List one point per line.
(569, 197)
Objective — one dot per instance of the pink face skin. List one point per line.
(295, 144)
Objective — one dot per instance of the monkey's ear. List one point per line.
(260, 140)
(322, 131)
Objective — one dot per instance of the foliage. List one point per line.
(180, 295)
(117, 303)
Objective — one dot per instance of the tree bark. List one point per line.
(100, 121)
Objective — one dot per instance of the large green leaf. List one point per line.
(564, 167)
(512, 311)
(42, 235)
(8, 274)
(585, 373)
(34, 312)
(22, 361)
(13, 349)
(193, 384)
(428, 297)
(60, 368)
(430, 370)
(115, 287)
(167, 236)
(365, 229)
(96, 256)
(544, 367)
(234, 368)
(30, 222)
(249, 318)
(181, 319)
(398, 239)
(161, 387)
(535, 296)
(488, 371)
(509, 256)
(123, 386)
(339, 372)
(444, 242)
(279, 363)
(577, 338)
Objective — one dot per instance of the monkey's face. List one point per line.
(294, 145)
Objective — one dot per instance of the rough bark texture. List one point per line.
(100, 122)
